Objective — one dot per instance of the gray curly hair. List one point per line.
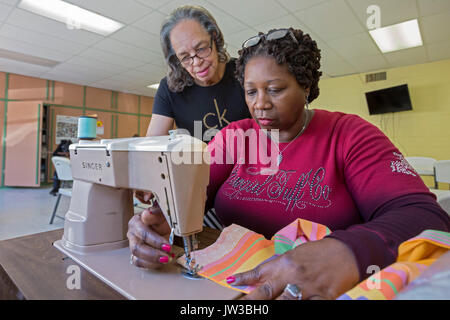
(177, 77)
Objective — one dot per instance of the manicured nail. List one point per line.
(231, 279)
(166, 247)
(164, 259)
(173, 255)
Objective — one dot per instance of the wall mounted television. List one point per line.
(393, 99)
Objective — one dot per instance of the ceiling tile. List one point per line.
(30, 21)
(153, 3)
(126, 50)
(137, 75)
(172, 5)
(95, 64)
(323, 17)
(407, 57)
(427, 7)
(368, 63)
(4, 11)
(355, 45)
(111, 58)
(9, 2)
(151, 23)
(232, 51)
(138, 38)
(439, 51)
(82, 71)
(335, 66)
(40, 39)
(227, 24)
(251, 12)
(159, 71)
(125, 11)
(296, 5)
(391, 12)
(238, 38)
(286, 21)
(436, 28)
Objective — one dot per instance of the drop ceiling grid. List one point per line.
(338, 26)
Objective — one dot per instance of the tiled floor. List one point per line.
(26, 211)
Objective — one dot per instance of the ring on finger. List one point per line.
(294, 291)
(132, 259)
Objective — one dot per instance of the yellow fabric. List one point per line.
(414, 256)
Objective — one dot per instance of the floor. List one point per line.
(25, 211)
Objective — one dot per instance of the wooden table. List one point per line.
(32, 268)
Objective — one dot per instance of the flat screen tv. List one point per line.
(387, 100)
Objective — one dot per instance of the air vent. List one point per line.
(372, 77)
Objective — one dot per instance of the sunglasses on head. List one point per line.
(272, 35)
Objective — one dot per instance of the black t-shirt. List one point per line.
(214, 107)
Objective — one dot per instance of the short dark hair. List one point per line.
(302, 59)
(177, 77)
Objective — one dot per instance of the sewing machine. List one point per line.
(105, 173)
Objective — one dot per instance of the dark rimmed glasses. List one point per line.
(201, 53)
(272, 35)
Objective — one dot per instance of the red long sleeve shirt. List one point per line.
(342, 172)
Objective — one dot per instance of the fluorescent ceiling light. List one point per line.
(22, 57)
(398, 36)
(153, 86)
(74, 16)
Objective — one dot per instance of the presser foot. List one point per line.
(191, 272)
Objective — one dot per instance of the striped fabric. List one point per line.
(210, 220)
(414, 256)
(238, 249)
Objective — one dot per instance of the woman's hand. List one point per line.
(322, 269)
(148, 234)
(144, 197)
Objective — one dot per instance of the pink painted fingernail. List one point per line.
(231, 279)
(166, 247)
(164, 259)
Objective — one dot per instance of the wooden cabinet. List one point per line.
(22, 158)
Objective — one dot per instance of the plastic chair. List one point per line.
(64, 172)
(423, 166)
(442, 174)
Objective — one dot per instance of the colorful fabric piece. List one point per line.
(238, 250)
(414, 256)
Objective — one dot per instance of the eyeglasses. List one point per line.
(200, 53)
(272, 35)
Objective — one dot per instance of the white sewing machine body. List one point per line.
(105, 174)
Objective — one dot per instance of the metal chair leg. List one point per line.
(54, 210)
(436, 183)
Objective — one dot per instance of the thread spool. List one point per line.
(87, 127)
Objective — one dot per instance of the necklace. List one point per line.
(280, 152)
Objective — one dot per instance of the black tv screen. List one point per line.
(387, 100)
